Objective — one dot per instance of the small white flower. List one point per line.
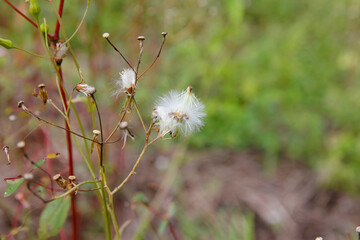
(179, 111)
(85, 89)
(126, 82)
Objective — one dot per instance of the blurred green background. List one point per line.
(277, 77)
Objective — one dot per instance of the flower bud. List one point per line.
(42, 28)
(34, 8)
(106, 35)
(6, 43)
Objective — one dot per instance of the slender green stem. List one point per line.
(72, 189)
(132, 170)
(113, 217)
(105, 205)
(33, 54)
(138, 112)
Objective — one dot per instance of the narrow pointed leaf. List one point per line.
(36, 165)
(53, 217)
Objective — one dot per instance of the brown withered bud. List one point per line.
(72, 183)
(96, 134)
(34, 93)
(43, 93)
(6, 151)
(60, 181)
(25, 109)
(20, 104)
(164, 33)
(85, 89)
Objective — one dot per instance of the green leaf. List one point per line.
(162, 226)
(13, 185)
(53, 217)
(36, 165)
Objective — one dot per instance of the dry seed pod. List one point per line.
(6, 151)
(72, 183)
(43, 93)
(60, 52)
(60, 181)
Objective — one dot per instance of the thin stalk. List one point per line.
(156, 58)
(104, 206)
(102, 174)
(113, 217)
(72, 190)
(132, 170)
(108, 40)
(121, 118)
(33, 54)
(55, 125)
(138, 112)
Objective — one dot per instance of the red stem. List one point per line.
(71, 165)
(57, 28)
(24, 16)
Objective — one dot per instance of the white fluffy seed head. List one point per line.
(179, 112)
(126, 82)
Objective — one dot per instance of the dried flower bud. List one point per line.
(8, 44)
(106, 35)
(141, 38)
(96, 132)
(6, 151)
(20, 144)
(72, 183)
(164, 33)
(34, 8)
(43, 93)
(123, 125)
(85, 89)
(60, 52)
(72, 178)
(28, 176)
(20, 104)
(60, 181)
